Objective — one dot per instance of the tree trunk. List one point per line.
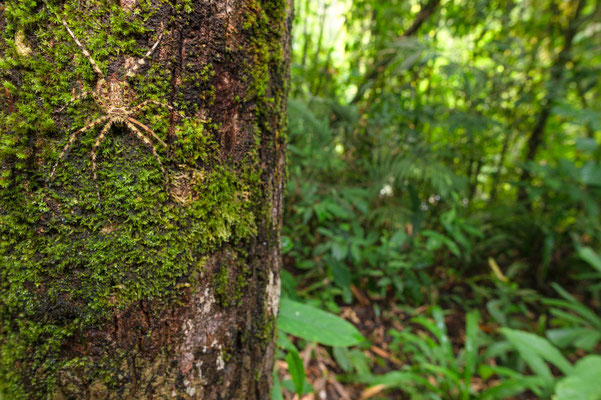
(536, 138)
(139, 255)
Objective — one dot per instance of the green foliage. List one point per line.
(581, 328)
(582, 383)
(450, 374)
(297, 370)
(536, 351)
(362, 230)
(314, 325)
(451, 159)
(591, 257)
(430, 157)
(276, 390)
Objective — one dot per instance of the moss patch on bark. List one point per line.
(69, 262)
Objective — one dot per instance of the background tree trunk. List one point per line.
(536, 139)
(167, 285)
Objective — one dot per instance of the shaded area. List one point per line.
(443, 196)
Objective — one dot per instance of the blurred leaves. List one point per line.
(315, 325)
(418, 163)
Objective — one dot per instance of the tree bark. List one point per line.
(536, 138)
(159, 279)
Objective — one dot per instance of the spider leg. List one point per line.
(140, 63)
(143, 138)
(83, 50)
(147, 102)
(72, 140)
(94, 149)
(75, 98)
(147, 129)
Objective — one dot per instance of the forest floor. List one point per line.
(328, 378)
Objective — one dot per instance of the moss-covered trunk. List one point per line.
(129, 268)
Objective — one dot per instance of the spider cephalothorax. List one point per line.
(115, 98)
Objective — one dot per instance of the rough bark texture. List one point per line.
(167, 287)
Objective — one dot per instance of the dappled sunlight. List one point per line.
(443, 197)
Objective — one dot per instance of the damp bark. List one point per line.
(147, 282)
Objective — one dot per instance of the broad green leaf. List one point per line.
(276, 390)
(339, 250)
(583, 382)
(341, 355)
(590, 256)
(588, 340)
(287, 244)
(471, 344)
(360, 362)
(289, 386)
(580, 337)
(511, 387)
(296, 370)
(284, 342)
(498, 349)
(535, 350)
(538, 345)
(443, 338)
(315, 325)
(576, 306)
(568, 318)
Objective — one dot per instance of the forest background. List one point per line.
(444, 197)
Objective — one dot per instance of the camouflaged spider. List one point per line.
(114, 96)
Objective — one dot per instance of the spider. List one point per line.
(114, 96)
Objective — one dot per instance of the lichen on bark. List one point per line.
(161, 288)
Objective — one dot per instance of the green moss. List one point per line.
(220, 285)
(68, 261)
(229, 284)
(266, 327)
(264, 25)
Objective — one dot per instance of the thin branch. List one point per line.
(425, 13)
(557, 71)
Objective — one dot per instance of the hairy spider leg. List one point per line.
(147, 102)
(94, 149)
(83, 50)
(131, 123)
(147, 129)
(140, 63)
(143, 138)
(72, 140)
(74, 99)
